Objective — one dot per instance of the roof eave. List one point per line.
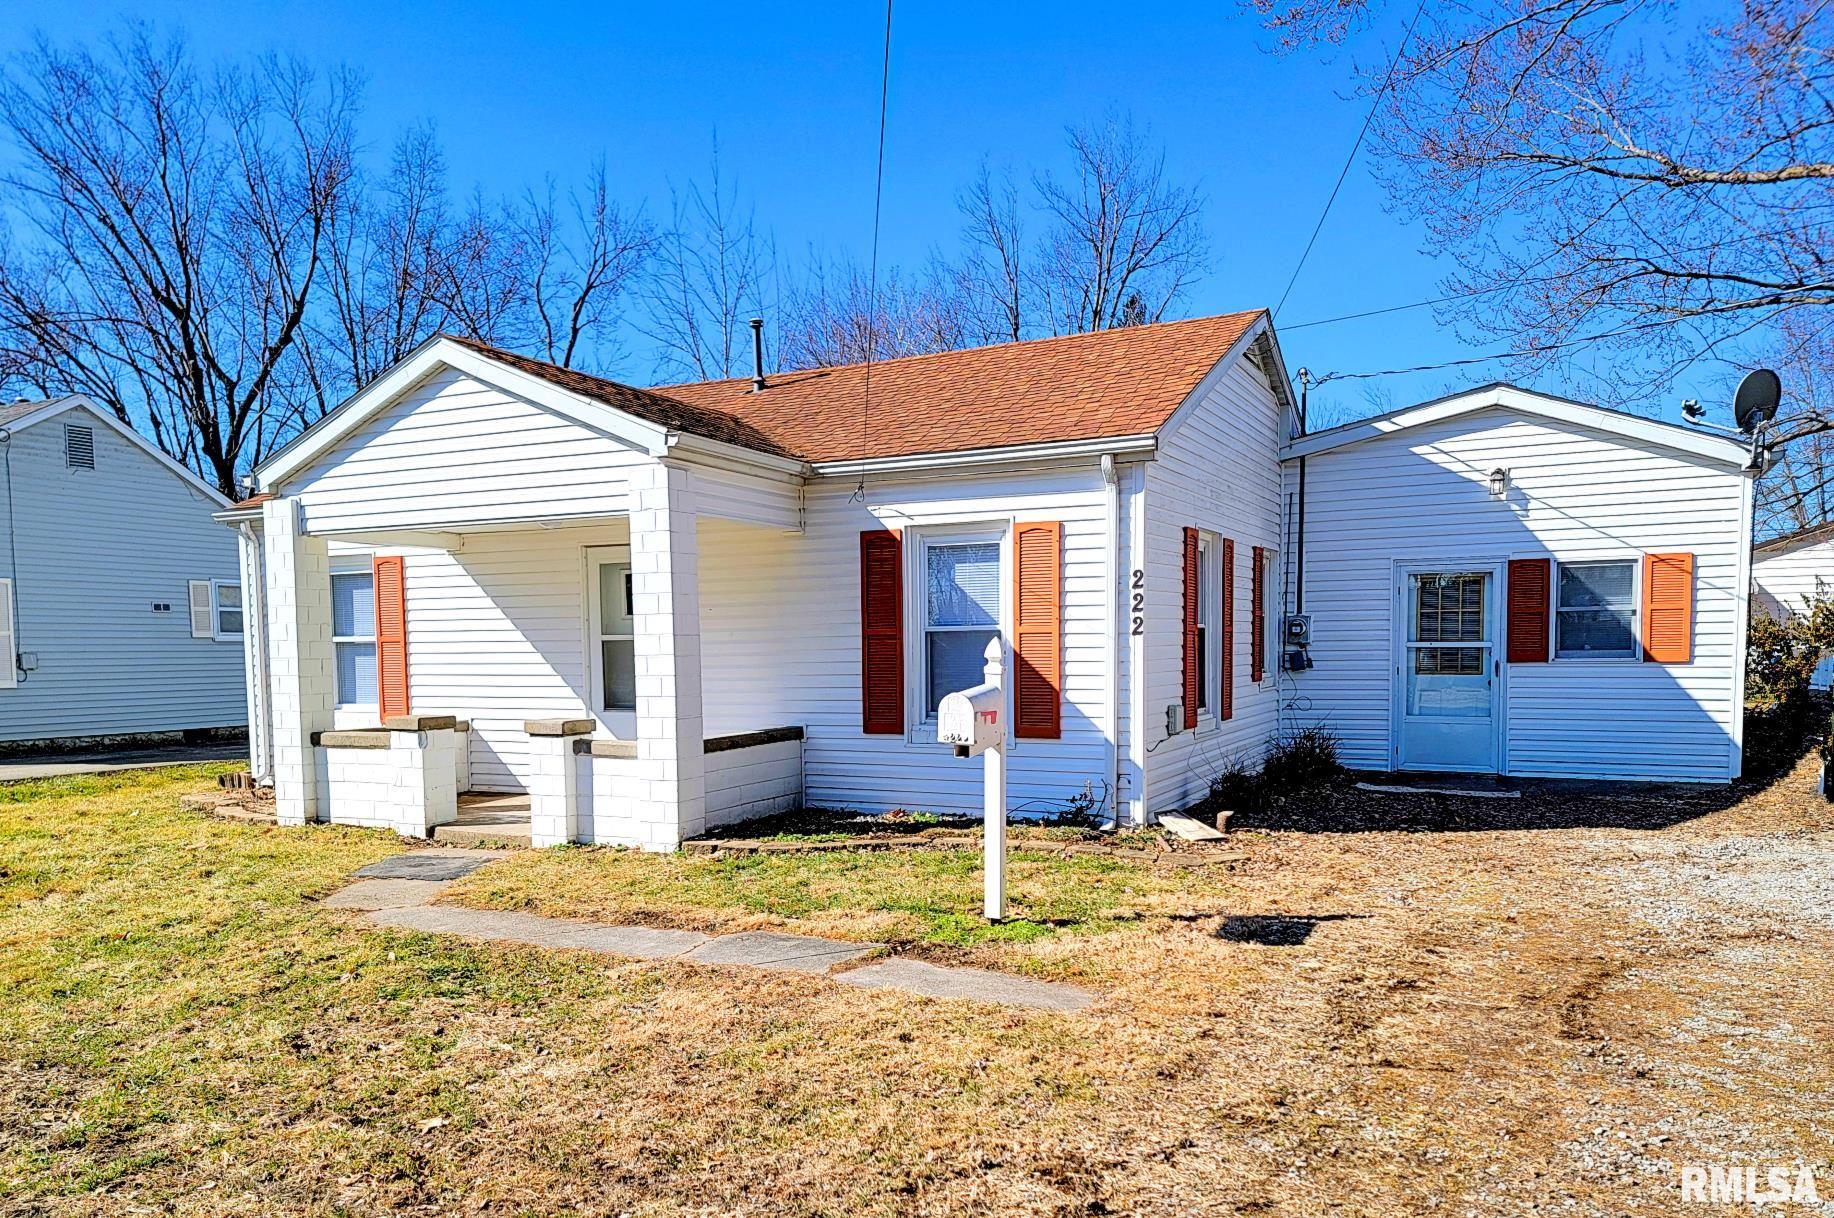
(1140, 446)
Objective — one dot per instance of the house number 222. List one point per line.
(1138, 583)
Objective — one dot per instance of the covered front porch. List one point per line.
(547, 677)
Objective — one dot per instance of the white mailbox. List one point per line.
(973, 720)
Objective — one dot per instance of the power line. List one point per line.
(1581, 340)
(872, 292)
(1351, 159)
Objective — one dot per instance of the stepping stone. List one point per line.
(768, 949)
(642, 942)
(1187, 827)
(443, 865)
(977, 984)
(384, 894)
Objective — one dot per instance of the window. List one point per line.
(1449, 609)
(614, 634)
(353, 636)
(961, 615)
(79, 447)
(1595, 613)
(226, 609)
(1206, 615)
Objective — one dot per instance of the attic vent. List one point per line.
(79, 446)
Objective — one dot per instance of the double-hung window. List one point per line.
(353, 636)
(1206, 618)
(1595, 615)
(226, 609)
(961, 615)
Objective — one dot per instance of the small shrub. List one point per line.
(1304, 761)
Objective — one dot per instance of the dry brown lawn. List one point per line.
(1441, 1020)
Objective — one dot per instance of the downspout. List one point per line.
(1111, 480)
(1305, 388)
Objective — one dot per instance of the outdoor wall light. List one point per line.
(1499, 483)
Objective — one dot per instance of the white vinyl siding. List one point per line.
(454, 451)
(1575, 494)
(1785, 581)
(111, 558)
(1218, 471)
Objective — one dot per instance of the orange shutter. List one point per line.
(1528, 609)
(881, 631)
(391, 636)
(1257, 616)
(1227, 709)
(1038, 630)
(1668, 608)
(1191, 675)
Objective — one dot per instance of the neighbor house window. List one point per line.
(961, 615)
(614, 633)
(226, 609)
(353, 636)
(1595, 616)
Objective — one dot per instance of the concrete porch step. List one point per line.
(487, 820)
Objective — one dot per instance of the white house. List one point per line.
(651, 611)
(1789, 573)
(1506, 582)
(120, 609)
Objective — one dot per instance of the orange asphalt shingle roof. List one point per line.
(1110, 383)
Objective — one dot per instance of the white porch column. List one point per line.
(300, 661)
(665, 596)
(554, 779)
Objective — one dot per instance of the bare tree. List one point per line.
(993, 273)
(1593, 200)
(579, 271)
(711, 270)
(172, 233)
(836, 316)
(1124, 242)
(387, 272)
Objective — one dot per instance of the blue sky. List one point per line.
(792, 90)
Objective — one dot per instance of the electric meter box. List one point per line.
(1299, 629)
(973, 720)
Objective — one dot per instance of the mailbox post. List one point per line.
(974, 721)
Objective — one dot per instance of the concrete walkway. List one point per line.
(398, 892)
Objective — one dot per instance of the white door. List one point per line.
(1447, 688)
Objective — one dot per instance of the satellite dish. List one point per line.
(1756, 401)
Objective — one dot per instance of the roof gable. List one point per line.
(1721, 449)
(21, 415)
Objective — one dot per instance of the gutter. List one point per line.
(955, 459)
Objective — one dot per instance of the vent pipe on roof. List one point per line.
(757, 355)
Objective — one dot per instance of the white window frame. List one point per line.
(1209, 625)
(1635, 654)
(350, 567)
(9, 662)
(217, 607)
(621, 723)
(919, 542)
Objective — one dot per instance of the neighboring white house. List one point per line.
(1506, 582)
(656, 610)
(120, 608)
(1789, 573)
